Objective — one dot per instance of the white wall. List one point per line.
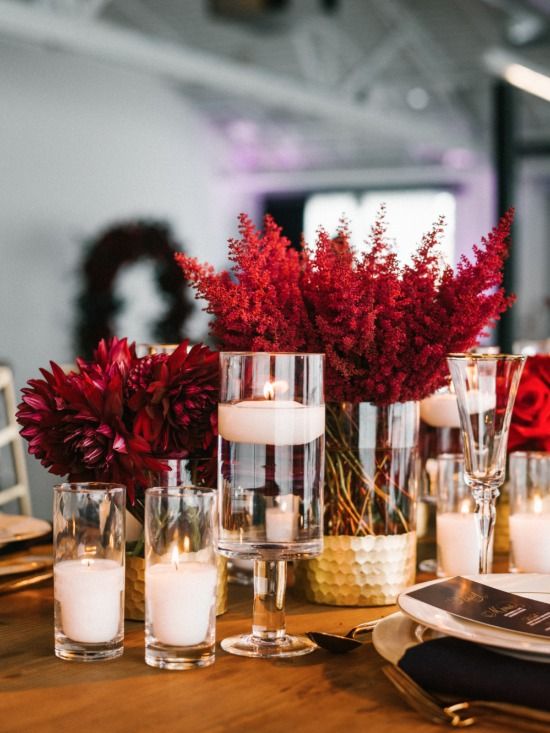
(81, 145)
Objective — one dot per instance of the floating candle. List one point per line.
(271, 422)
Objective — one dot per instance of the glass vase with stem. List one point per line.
(486, 387)
(271, 424)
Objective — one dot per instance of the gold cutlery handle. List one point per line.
(466, 713)
(13, 585)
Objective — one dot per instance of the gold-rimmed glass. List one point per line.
(486, 387)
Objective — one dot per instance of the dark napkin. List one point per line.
(466, 670)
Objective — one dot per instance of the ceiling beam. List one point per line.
(222, 75)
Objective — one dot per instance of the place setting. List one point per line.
(480, 640)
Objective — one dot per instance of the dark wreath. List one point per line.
(121, 245)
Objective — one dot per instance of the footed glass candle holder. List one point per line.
(89, 544)
(271, 423)
(180, 577)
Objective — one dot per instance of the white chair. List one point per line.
(9, 436)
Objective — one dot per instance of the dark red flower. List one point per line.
(530, 426)
(76, 427)
(109, 356)
(175, 399)
(118, 417)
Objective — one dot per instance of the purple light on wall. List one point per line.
(459, 158)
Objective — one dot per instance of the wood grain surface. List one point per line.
(312, 694)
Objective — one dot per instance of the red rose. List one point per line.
(530, 427)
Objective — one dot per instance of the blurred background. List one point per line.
(187, 112)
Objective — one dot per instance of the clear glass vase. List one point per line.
(371, 477)
(371, 468)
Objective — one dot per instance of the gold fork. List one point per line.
(466, 713)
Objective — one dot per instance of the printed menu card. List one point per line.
(485, 605)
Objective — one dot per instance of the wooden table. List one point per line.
(317, 693)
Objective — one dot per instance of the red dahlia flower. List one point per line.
(118, 417)
(175, 398)
(76, 426)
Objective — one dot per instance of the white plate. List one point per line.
(16, 528)
(22, 564)
(529, 585)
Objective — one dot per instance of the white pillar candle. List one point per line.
(458, 543)
(530, 542)
(440, 410)
(271, 422)
(180, 597)
(89, 594)
(281, 522)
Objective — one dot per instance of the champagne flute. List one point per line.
(486, 387)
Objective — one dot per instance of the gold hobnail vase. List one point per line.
(359, 571)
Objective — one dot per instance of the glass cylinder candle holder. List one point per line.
(180, 577)
(89, 544)
(457, 530)
(529, 474)
(458, 537)
(439, 433)
(271, 422)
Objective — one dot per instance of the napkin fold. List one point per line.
(470, 671)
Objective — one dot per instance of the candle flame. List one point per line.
(278, 387)
(186, 544)
(465, 506)
(537, 504)
(175, 556)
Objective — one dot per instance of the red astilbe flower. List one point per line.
(385, 328)
(343, 310)
(175, 398)
(75, 426)
(258, 307)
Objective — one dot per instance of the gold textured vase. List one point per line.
(359, 571)
(134, 597)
